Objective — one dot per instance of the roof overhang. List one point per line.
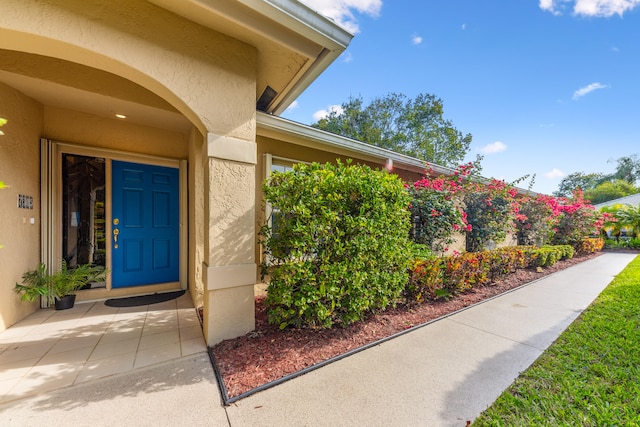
(289, 131)
(299, 134)
(295, 44)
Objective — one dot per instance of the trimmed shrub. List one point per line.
(425, 281)
(463, 272)
(338, 247)
(591, 245)
(549, 255)
(504, 261)
(435, 278)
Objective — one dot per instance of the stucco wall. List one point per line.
(207, 76)
(196, 148)
(233, 212)
(20, 169)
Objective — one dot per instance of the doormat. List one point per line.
(143, 299)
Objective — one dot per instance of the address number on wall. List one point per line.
(25, 202)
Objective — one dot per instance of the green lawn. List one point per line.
(591, 375)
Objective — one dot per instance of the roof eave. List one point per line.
(321, 139)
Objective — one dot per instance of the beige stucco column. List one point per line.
(229, 269)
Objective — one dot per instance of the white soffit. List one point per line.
(288, 23)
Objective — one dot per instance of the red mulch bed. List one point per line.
(267, 353)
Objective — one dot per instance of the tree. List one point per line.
(578, 181)
(610, 190)
(415, 127)
(628, 169)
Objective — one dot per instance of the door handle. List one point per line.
(115, 238)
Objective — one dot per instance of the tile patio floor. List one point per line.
(55, 349)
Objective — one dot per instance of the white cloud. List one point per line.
(597, 8)
(464, 27)
(293, 106)
(549, 6)
(416, 39)
(342, 11)
(554, 173)
(494, 147)
(321, 114)
(588, 89)
(347, 57)
(604, 8)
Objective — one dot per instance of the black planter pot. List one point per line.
(65, 303)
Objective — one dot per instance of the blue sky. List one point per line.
(546, 87)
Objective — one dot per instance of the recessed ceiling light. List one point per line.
(121, 116)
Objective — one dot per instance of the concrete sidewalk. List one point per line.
(440, 375)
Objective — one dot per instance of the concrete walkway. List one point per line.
(440, 375)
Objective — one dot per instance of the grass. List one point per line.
(591, 375)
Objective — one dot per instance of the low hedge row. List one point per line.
(591, 245)
(549, 255)
(433, 278)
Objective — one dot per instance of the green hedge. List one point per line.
(548, 255)
(435, 278)
(340, 248)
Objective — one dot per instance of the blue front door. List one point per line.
(145, 224)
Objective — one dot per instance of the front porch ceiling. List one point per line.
(63, 84)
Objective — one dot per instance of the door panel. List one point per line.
(145, 218)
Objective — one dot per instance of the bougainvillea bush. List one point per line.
(491, 209)
(339, 247)
(437, 210)
(535, 220)
(577, 220)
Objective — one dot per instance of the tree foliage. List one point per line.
(415, 127)
(627, 170)
(610, 190)
(578, 181)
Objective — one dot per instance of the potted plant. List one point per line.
(60, 286)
